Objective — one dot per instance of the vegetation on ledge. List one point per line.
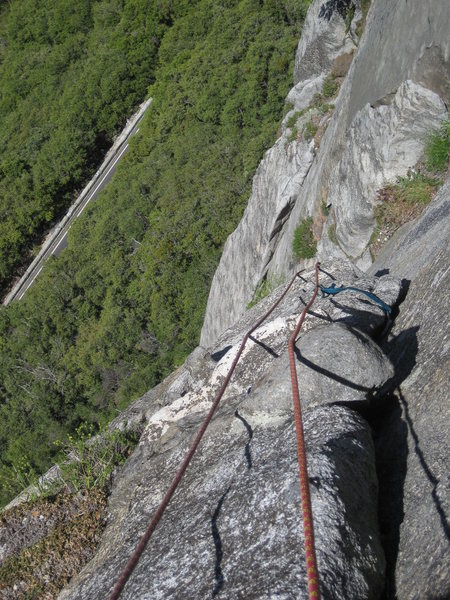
(304, 245)
(63, 524)
(406, 199)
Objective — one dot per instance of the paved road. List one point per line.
(60, 241)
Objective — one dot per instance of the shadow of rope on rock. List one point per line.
(331, 375)
(264, 346)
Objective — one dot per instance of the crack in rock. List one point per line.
(218, 574)
(249, 429)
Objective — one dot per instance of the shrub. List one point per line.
(365, 5)
(264, 289)
(437, 148)
(325, 107)
(324, 208)
(292, 121)
(309, 131)
(91, 460)
(349, 18)
(304, 245)
(293, 135)
(330, 87)
(21, 476)
(332, 233)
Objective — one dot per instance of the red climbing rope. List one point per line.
(132, 562)
(310, 551)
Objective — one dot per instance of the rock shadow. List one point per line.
(426, 469)
(390, 422)
(248, 456)
(354, 316)
(216, 356)
(331, 375)
(218, 574)
(322, 270)
(382, 272)
(264, 346)
(391, 450)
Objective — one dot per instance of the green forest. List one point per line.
(124, 304)
(70, 73)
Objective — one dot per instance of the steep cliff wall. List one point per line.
(374, 397)
(386, 105)
(412, 438)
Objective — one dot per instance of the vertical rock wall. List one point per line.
(412, 440)
(386, 106)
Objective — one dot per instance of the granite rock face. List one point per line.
(340, 364)
(277, 183)
(249, 248)
(395, 92)
(412, 438)
(233, 529)
(383, 143)
(324, 37)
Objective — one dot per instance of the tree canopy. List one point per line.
(125, 302)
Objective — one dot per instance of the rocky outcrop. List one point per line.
(386, 106)
(278, 181)
(326, 35)
(237, 510)
(383, 143)
(356, 374)
(412, 440)
(249, 249)
(396, 92)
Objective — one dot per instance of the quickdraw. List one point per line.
(333, 290)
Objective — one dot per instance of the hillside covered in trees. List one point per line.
(70, 73)
(124, 303)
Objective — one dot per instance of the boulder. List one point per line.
(234, 528)
(338, 364)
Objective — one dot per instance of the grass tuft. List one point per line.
(292, 121)
(304, 245)
(438, 148)
(401, 202)
(309, 130)
(264, 289)
(330, 87)
(332, 234)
